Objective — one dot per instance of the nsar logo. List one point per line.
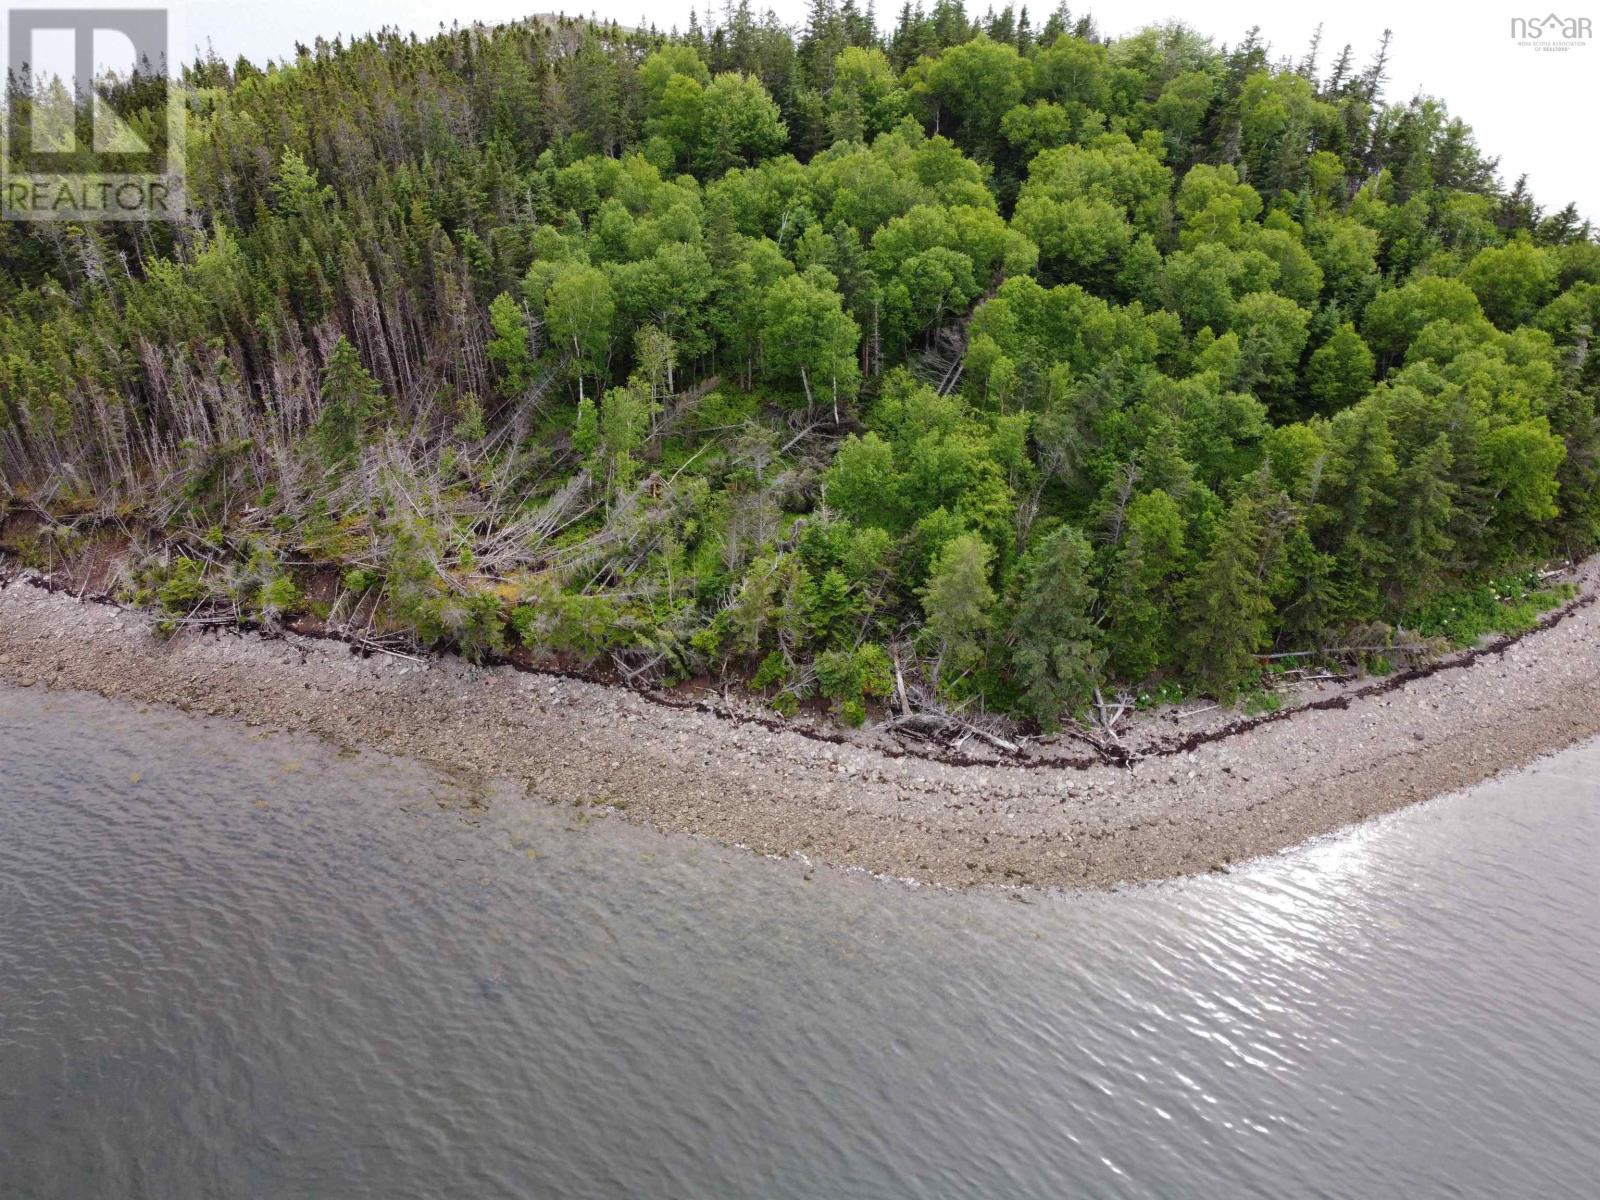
(1552, 32)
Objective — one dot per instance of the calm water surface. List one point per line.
(250, 967)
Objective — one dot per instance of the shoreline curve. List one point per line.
(1239, 791)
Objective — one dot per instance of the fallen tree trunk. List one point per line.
(932, 725)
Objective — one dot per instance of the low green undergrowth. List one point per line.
(256, 587)
(1510, 604)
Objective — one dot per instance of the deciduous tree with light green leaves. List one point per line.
(509, 346)
(957, 602)
(809, 338)
(1340, 370)
(578, 311)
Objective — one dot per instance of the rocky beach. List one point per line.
(1231, 790)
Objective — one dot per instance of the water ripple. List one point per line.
(235, 965)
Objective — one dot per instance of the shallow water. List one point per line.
(248, 966)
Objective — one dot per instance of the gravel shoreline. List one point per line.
(780, 792)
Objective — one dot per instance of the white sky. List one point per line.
(1533, 109)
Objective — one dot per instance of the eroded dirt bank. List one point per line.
(780, 792)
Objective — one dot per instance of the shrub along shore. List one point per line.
(856, 800)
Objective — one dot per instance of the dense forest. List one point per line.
(981, 364)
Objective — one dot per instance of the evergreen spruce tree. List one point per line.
(1054, 651)
(350, 400)
(1139, 597)
(1228, 613)
(1424, 513)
